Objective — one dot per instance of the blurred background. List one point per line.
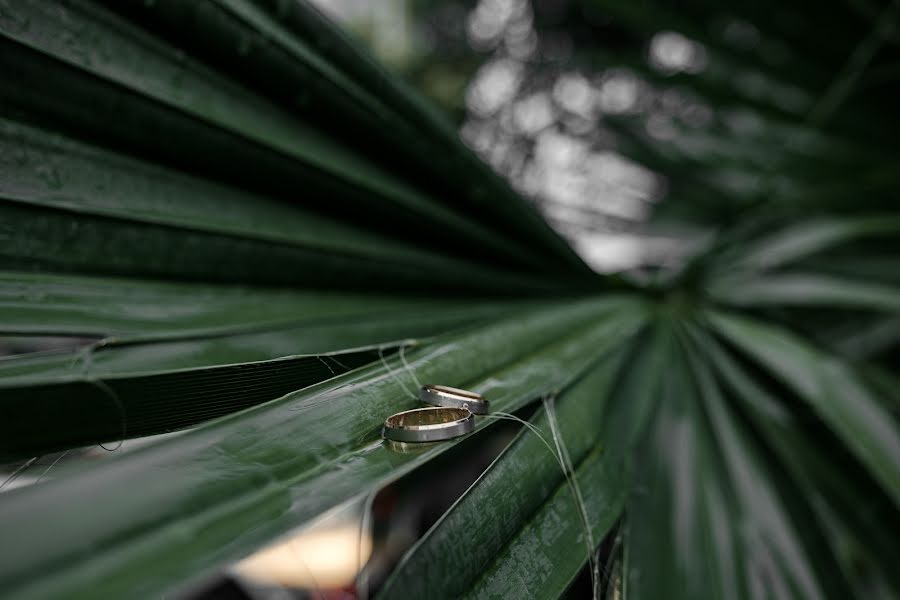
(531, 87)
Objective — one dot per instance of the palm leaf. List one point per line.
(264, 240)
(308, 468)
(498, 515)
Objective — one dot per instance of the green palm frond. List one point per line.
(266, 242)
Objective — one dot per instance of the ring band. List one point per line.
(451, 397)
(428, 424)
(409, 447)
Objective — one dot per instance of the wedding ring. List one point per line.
(451, 397)
(428, 424)
(409, 447)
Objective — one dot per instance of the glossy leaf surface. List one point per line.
(308, 469)
(229, 220)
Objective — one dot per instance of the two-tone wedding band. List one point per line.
(428, 424)
(451, 397)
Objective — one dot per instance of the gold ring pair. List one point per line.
(451, 415)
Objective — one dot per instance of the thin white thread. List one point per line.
(82, 357)
(576, 491)
(337, 362)
(392, 374)
(85, 356)
(531, 426)
(53, 464)
(18, 471)
(406, 364)
(115, 398)
(327, 366)
(562, 458)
